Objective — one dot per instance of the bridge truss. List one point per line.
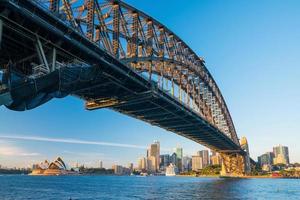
(151, 49)
(111, 55)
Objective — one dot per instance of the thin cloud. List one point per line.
(86, 154)
(30, 154)
(71, 141)
(14, 151)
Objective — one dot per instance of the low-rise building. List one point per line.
(118, 169)
(197, 163)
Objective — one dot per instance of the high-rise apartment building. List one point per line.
(281, 154)
(179, 155)
(142, 164)
(179, 152)
(164, 161)
(186, 163)
(151, 164)
(205, 157)
(153, 156)
(173, 159)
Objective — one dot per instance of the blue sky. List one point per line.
(250, 47)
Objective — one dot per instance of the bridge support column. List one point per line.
(234, 165)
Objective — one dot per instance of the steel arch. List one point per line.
(146, 45)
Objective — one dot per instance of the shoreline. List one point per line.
(180, 176)
(238, 177)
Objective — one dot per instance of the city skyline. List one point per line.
(65, 119)
(207, 156)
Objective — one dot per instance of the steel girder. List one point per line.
(147, 45)
(130, 37)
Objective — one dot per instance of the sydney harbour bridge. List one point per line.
(112, 55)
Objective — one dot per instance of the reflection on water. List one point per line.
(113, 187)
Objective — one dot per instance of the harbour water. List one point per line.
(17, 187)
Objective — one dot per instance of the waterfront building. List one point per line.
(44, 165)
(215, 158)
(171, 170)
(281, 154)
(154, 151)
(101, 164)
(266, 159)
(58, 167)
(142, 164)
(197, 162)
(118, 169)
(186, 163)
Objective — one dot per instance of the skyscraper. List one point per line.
(205, 158)
(179, 154)
(186, 163)
(142, 164)
(281, 154)
(173, 159)
(164, 161)
(153, 158)
(151, 164)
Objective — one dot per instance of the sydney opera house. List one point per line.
(55, 168)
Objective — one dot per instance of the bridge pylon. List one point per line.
(233, 165)
(236, 164)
